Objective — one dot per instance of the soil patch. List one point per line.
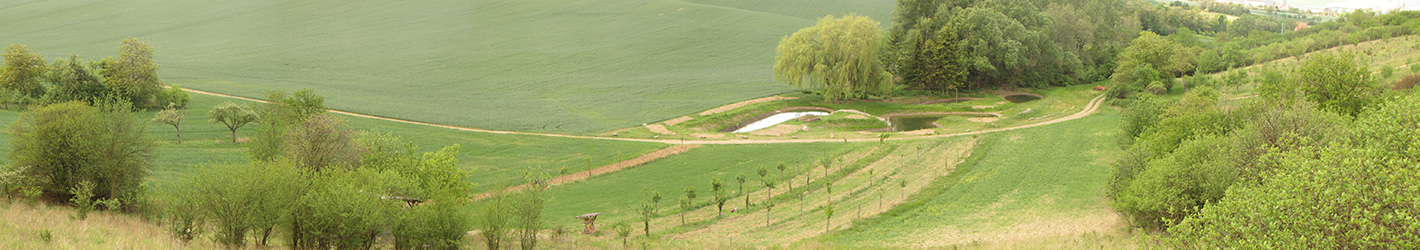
(778, 130)
(708, 136)
(659, 129)
(673, 122)
(983, 119)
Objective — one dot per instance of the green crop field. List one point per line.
(497, 160)
(1044, 181)
(526, 65)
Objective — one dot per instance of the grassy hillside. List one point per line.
(1020, 189)
(498, 160)
(528, 65)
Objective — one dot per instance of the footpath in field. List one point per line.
(573, 177)
(1089, 108)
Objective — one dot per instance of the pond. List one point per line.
(1019, 98)
(776, 119)
(915, 122)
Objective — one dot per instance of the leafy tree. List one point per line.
(528, 209)
(233, 115)
(23, 71)
(1336, 82)
(684, 208)
(281, 112)
(322, 142)
(67, 143)
(1151, 52)
(493, 219)
(837, 56)
(720, 198)
(344, 210)
(134, 75)
(172, 117)
(242, 199)
(73, 80)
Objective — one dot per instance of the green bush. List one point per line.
(64, 144)
(345, 210)
(1171, 188)
(1157, 88)
(242, 199)
(438, 226)
(175, 96)
(82, 198)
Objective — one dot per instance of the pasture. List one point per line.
(575, 67)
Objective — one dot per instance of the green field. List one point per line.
(526, 65)
(497, 160)
(1044, 181)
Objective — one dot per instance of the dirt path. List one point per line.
(1089, 109)
(578, 176)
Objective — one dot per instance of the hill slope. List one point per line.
(528, 65)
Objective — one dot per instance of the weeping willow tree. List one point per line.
(837, 56)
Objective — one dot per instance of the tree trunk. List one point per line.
(179, 133)
(648, 227)
(234, 136)
(682, 218)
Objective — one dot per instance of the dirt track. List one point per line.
(1089, 109)
(567, 178)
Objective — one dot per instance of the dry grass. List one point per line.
(23, 224)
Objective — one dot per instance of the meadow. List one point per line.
(1019, 189)
(543, 66)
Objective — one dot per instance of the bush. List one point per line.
(64, 144)
(1171, 188)
(345, 210)
(242, 199)
(1157, 88)
(1407, 83)
(438, 226)
(175, 96)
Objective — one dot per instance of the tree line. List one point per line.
(1321, 152)
(952, 45)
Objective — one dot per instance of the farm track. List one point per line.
(578, 176)
(1089, 109)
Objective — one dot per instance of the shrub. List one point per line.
(1407, 83)
(175, 96)
(64, 144)
(438, 226)
(1157, 88)
(82, 194)
(242, 199)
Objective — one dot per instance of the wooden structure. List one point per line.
(590, 222)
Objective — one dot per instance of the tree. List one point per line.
(527, 208)
(1336, 82)
(623, 231)
(741, 179)
(134, 75)
(173, 117)
(233, 115)
(322, 142)
(837, 56)
(23, 70)
(277, 116)
(939, 62)
(1151, 52)
(66, 143)
(656, 199)
(781, 168)
(244, 198)
(647, 213)
(684, 208)
(720, 199)
(768, 196)
(73, 80)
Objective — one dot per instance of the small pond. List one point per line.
(1019, 98)
(776, 119)
(916, 122)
